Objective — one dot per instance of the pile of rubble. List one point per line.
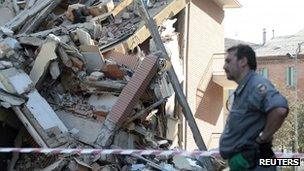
(60, 76)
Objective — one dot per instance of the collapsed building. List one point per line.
(62, 79)
(77, 74)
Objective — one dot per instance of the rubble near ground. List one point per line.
(66, 82)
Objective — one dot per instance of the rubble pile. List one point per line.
(61, 77)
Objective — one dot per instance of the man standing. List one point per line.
(257, 112)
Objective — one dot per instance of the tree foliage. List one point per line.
(284, 138)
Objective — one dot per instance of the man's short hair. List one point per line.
(242, 51)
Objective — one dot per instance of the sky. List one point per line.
(247, 23)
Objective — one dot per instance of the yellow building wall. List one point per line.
(206, 37)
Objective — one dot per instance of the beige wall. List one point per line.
(206, 37)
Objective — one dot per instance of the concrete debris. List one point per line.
(5, 64)
(83, 129)
(8, 100)
(93, 58)
(33, 41)
(95, 76)
(181, 163)
(54, 70)
(84, 37)
(45, 56)
(102, 103)
(68, 72)
(42, 112)
(8, 44)
(6, 31)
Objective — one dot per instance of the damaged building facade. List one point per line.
(86, 74)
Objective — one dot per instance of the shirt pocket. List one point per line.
(235, 119)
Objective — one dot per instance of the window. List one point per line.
(290, 76)
(263, 72)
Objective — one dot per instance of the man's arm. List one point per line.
(275, 119)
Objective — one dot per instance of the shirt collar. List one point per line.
(244, 82)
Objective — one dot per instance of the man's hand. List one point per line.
(275, 118)
(261, 139)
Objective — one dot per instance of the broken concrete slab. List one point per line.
(11, 99)
(55, 70)
(6, 31)
(45, 56)
(5, 64)
(36, 115)
(106, 134)
(124, 140)
(87, 129)
(42, 111)
(33, 41)
(12, 74)
(84, 37)
(8, 44)
(21, 82)
(102, 102)
(6, 14)
(93, 58)
(181, 163)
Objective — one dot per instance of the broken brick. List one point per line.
(77, 63)
(113, 71)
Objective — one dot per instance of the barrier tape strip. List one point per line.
(130, 151)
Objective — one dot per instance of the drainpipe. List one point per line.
(187, 19)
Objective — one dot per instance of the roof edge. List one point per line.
(228, 3)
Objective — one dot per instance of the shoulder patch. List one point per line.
(262, 88)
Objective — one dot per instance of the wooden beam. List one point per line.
(121, 6)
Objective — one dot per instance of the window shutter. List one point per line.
(266, 72)
(293, 76)
(287, 75)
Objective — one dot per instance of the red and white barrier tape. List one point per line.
(109, 151)
(129, 152)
